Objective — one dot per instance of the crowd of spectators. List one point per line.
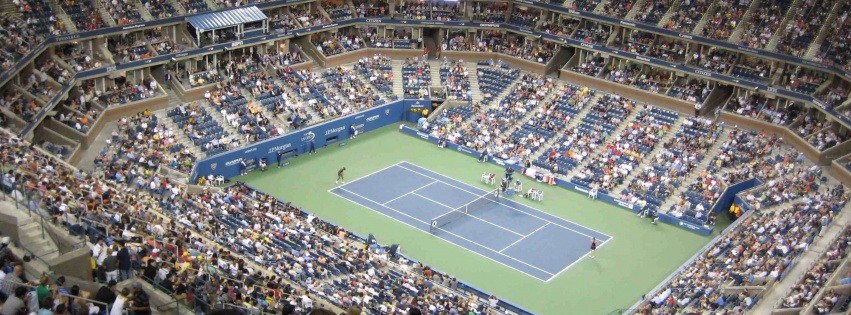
(694, 91)
(307, 18)
(608, 169)
(592, 65)
(728, 13)
(759, 107)
(416, 78)
(617, 8)
(815, 279)
(575, 144)
(140, 145)
(454, 77)
(282, 23)
(762, 247)
(803, 27)
(378, 71)
(126, 91)
(338, 10)
(592, 32)
(84, 14)
(834, 48)
(763, 23)
(350, 84)
(651, 12)
(81, 117)
(371, 8)
(162, 43)
(834, 95)
(687, 15)
(564, 27)
(717, 60)
(52, 69)
(583, 5)
(430, 10)
(123, 12)
(810, 122)
(159, 9)
(329, 46)
(539, 52)
(20, 104)
(807, 82)
(491, 12)
(130, 48)
(39, 20)
(523, 16)
(826, 139)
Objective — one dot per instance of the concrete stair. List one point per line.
(748, 16)
(69, 24)
(9, 9)
(146, 15)
(614, 133)
(714, 150)
(575, 121)
(781, 31)
(704, 21)
(31, 237)
(649, 157)
(671, 11)
(179, 135)
(398, 79)
(104, 13)
(813, 50)
(474, 82)
(177, 6)
(213, 5)
(435, 73)
(636, 8)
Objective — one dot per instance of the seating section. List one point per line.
(769, 241)
(524, 18)
(653, 11)
(202, 129)
(727, 16)
(379, 72)
(815, 279)
(584, 5)
(61, 151)
(608, 169)
(617, 8)
(834, 48)
(122, 12)
(803, 27)
(592, 32)
(694, 91)
(194, 6)
(494, 78)
(687, 15)
(84, 14)
(416, 78)
(159, 8)
(350, 84)
(454, 78)
(674, 163)
(577, 143)
(338, 11)
(592, 65)
(763, 23)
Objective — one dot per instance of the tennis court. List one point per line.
(515, 235)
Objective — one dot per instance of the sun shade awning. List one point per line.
(229, 18)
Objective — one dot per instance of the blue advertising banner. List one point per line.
(298, 142)
(705, 230)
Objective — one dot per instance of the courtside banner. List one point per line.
(697, 228)
(298, 142)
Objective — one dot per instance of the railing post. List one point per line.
(42, 227)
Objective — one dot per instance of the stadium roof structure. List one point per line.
(225, 19)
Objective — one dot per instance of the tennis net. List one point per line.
(479, 203)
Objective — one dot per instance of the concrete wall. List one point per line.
(76, 263)
(9, 226)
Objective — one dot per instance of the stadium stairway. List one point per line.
(435, 73)
(671, 11)
(601, 148)
(179, 135)
(177, 6)
(69, 24)
(8, 9)
(143, 11)
(748, 16)
(398, 80)
(575, 121)
(636, 8)
(695, 172)
(212, 5)
(707, 16)
(790, 15)
(815, 46)
(30, 236)
(474, 82)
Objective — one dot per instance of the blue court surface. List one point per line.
(515, 235)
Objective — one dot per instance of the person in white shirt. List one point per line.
(120, 302)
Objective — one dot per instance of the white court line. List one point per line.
(408, 193)
(367, 175)
(445, 240)
(522, 238)
(507, 206)
(578, 260)
(467, 214)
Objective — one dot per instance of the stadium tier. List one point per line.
(150, 150)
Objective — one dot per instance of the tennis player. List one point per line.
(340, 176)
(593, 246)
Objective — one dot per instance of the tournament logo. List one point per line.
(213, 166)
(308, 136)
(387, 111)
